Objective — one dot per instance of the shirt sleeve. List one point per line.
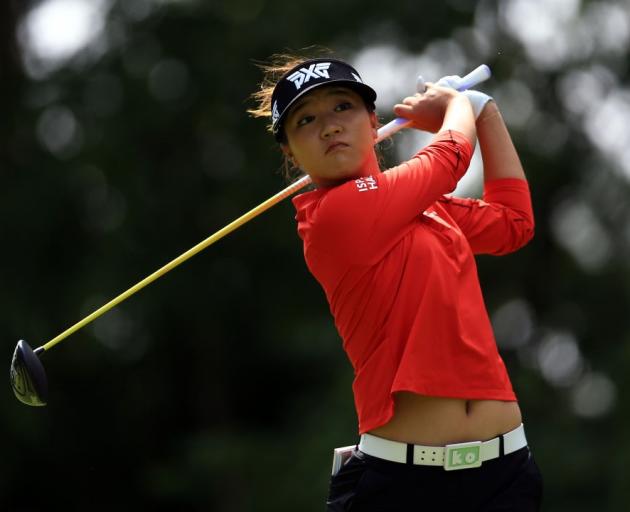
(501, 222)
(362, 219)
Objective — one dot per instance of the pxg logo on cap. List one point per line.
(303, 75)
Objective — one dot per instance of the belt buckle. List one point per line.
(462, 455)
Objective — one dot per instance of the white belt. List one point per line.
(451, 456)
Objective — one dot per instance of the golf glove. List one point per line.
(477, 99)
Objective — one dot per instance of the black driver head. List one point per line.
(28, 378)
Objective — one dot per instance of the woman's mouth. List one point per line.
(335, 146)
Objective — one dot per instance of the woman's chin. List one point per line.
(336, 179)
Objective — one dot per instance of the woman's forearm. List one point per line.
(459, 117)
(500, 159)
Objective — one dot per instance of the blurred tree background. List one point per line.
(222, 386)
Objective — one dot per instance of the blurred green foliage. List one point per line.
(223, 386)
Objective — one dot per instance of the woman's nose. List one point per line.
(331, 128)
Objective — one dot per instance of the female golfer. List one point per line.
(439, 424)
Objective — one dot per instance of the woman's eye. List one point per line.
(305, 120)
(343, 106)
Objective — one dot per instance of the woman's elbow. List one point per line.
(521, 234)
(527, 233)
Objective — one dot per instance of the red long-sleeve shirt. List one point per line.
(394, 256)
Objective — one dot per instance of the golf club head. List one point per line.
(28, 378)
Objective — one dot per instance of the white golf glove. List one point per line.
(477, 99)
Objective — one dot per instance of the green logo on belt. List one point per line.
(463, 455)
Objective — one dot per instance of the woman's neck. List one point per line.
(369, 167)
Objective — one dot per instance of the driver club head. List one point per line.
(28, 378)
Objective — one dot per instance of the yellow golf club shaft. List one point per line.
(294, 187)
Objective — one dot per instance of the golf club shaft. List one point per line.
(479, 74)
(294, 187)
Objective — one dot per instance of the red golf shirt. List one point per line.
(394, 256)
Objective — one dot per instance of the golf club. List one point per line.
(27, 375)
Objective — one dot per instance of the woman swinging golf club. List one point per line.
(395, 257)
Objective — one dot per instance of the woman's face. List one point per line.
(330, 135)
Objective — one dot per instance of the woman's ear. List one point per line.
(288, 154)
(374, 123)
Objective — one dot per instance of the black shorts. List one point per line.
(368, 484)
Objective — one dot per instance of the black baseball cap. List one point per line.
(308, 75)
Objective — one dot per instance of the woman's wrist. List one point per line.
(459, 117)
(490, 111)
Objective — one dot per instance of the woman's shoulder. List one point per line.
(335, 209)
(307, 202)
(327, 197)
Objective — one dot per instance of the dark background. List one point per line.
(223, 386)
